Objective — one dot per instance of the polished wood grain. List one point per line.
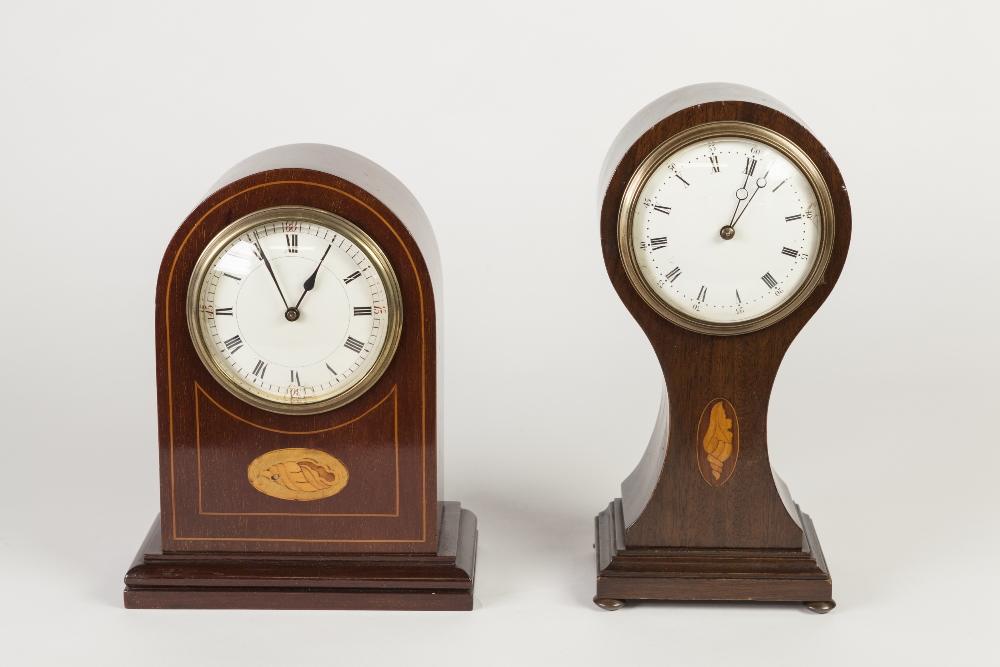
(666, 503)
(440, 581)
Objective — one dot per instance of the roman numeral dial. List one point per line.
(723, 230)
(295, 311)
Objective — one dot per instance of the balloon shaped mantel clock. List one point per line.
(298, 366)
(724, 226)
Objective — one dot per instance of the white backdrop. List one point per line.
(116, 118)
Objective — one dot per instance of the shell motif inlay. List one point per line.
(718, 441)
(298, 474)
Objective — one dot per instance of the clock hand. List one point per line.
(728, 232)
(271, 271)
(311, 280)
(739, 198)
(761, 183)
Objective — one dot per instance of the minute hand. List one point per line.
(270, 270)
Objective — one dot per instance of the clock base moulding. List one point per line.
(417, 582)
(665, 573)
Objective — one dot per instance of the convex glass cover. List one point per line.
(726, 228)
(295, 310)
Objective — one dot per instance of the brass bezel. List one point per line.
(708, 131)
(393, 294)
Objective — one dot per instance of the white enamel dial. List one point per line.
(726, 230)
(294, 307)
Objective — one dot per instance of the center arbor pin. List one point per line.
(298, 365)
(724, 226)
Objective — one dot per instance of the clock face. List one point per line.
(294, 310)
(727, 231)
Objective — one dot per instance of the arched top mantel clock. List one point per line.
(298, 375)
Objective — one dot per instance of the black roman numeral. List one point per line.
(674, 272)
(682, 180)
(260, 369)
(662, 209)
(353, 276)
(223, 311)
(789, 218)
(362, 311)
(714, 159)
(234, 344)
(779, 185)
(229, 275)
(789, 252)
(295, 379)
(769, 280)
(738, 299)
(751, 165)
(353, 344)
(657, 243)
(702, 293)
(292, 240)
(330, 369)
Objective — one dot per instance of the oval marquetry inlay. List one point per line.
(718, 443)
(297, 474)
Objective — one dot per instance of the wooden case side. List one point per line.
(638, 487)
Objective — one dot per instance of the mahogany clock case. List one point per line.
(386, 540)
(674, 534)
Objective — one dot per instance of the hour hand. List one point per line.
(729, 231)
(311, 280)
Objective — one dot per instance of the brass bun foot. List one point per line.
(820, 607)
(610, 604)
